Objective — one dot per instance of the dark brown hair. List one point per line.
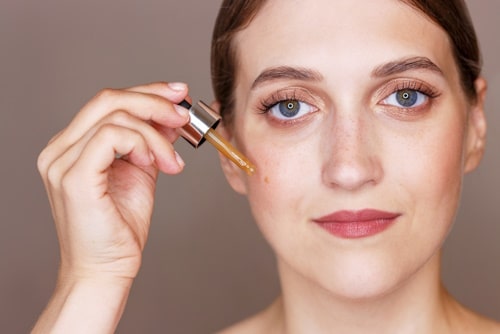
(235, 15)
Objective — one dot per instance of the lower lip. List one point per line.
(357, 229)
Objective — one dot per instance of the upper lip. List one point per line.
(350, 216)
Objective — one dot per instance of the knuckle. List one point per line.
(46, 156)
(106, 133)
(68, 182)
(54, 174)
(112, 134)
(163, 85)
(120, 117)
(42, 162)
(106, 93)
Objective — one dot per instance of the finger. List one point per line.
(161, 150)
(170, 134)
(158, 88)
(145, 106)
(89, 171)
(60, 167)
(160, 146)
(172, 91)
(153, 102)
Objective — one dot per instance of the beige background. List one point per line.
(205, 265)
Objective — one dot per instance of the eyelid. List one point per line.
(401, 84)
(289, 93)
(300, 94)
(420, 100)
(406, 113)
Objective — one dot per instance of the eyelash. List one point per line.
(277, 97)
(297, 94)
(417, 86)
(406, 113)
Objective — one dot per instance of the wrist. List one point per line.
(95, 281)
(89, 304)
(122, 274)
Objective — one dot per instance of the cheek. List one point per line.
(430, 176)
(441, 167)
(278, 191)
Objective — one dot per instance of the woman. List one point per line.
(361, 121)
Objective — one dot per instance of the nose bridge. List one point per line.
(352, 160)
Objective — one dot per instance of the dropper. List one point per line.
(202, 123)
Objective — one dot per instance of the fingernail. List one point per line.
(179, 159)
(181, 111)
(177, 86)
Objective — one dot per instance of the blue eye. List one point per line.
(290, 109)
(406, 98)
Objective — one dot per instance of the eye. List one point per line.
(290, 109)
(288, 106)
(406, 98)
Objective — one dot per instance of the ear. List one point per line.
(234, 175)
(476, 129)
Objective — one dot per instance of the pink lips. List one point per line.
(357, 224)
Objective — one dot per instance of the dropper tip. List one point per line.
(249, 169)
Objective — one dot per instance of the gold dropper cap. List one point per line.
(202, 123)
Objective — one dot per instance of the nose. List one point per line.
(353, 154)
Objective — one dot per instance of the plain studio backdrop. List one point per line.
(206, 265)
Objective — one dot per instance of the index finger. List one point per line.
(143, 102)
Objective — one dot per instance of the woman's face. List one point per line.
(355, 118)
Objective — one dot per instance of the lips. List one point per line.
(357, 224)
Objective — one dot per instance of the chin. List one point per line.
(356, 277)
(362, 284)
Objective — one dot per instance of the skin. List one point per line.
(354, 150)
(102, 206)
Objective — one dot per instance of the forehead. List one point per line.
(333, 34)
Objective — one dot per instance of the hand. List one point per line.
(101, 205)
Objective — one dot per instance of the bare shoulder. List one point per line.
(247, 326)
(266, 321)
(486, 326)
(472, 322)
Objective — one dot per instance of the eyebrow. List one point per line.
(305, 74)
(287, 72)
(405, 64)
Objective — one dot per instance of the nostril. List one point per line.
(351, 171)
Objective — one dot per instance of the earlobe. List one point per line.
(233, 173)
(476, 132)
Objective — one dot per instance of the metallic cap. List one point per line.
(202, 119)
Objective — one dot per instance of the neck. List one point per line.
(418, 305)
